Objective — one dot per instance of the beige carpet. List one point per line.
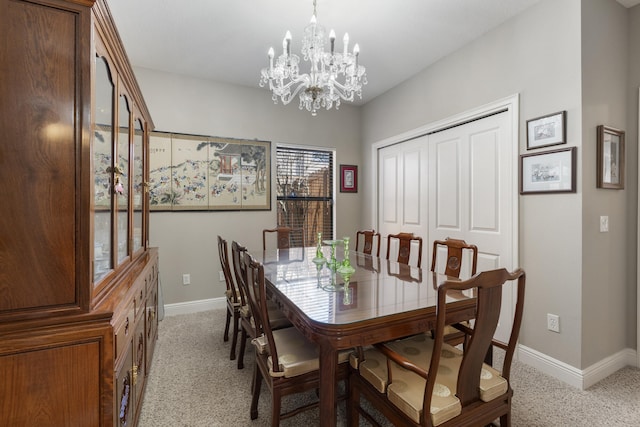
(193, 383)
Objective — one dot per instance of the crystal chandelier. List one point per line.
(333, 77)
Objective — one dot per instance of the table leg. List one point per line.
(328, 384)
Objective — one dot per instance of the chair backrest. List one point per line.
(488, 291)
(223, 252)
(404, 247)
(239, 269)
(456, 250)
(283, 237)
(369, 239)
(257, 296)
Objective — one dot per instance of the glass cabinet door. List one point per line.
(122, 179)
(102, 171)
(138, 184)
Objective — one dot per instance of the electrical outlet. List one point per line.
(221, 275)
(604, 224)
(553, 322)
(186, 279)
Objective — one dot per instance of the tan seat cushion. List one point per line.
(276, 316)
(407, 389)
(296, 354)
(373, 368)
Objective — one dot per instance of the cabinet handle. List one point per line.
(135, 374)
(126, 327)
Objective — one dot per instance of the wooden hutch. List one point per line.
(78, 282)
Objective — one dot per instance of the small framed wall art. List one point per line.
(547, 130)
(348, 178)
(610, 158)
(548, 172)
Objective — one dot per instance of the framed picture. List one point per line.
(610, 158)
(547, 130)
(348, 179)
(206, 173)
(549, 172)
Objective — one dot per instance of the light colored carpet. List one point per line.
(192, 383)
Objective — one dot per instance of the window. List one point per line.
(304, 181)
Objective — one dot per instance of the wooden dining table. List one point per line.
(380, 301)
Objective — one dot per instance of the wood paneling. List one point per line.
(38, 91)
(58, 354)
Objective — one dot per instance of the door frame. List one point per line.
(511, 106)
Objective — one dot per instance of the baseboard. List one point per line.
(578, 378)
(194, 306)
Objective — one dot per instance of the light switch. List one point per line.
(604, 224)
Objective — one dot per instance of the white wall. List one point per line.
(537, 55)
(606, 277)
(187, 240)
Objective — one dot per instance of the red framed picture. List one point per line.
(348, 178)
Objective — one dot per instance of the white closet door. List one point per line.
(457, 183)
(472, 186)
(402, 202)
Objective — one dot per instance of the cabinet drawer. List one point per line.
(152, 277)
(123, 334)
(139, 297)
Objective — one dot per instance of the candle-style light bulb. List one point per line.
(286, 43)
(288, 38)
(356, 52)
(345, 40)
(332, 39)
(271, 53)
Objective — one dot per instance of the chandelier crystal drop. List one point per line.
(333, 76)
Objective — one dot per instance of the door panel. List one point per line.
(484, 182)
(389, 184)
(402, 193)
(484, 179)
(446, 154)
(411, 208)
(456, 183)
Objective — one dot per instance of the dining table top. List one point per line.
(376, 288)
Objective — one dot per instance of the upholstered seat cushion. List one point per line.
(276, 316)
(296, 354)
(407, 389)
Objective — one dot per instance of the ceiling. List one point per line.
(228, 40)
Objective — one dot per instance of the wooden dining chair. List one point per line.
(456, 250)
(233, 298)
(284, 237)
(370, 239)
(285, 360)
(247, 324)
(420, 381)
(404, 242)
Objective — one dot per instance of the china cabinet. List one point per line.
(78, 280)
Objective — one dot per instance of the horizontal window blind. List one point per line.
(304, 180)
